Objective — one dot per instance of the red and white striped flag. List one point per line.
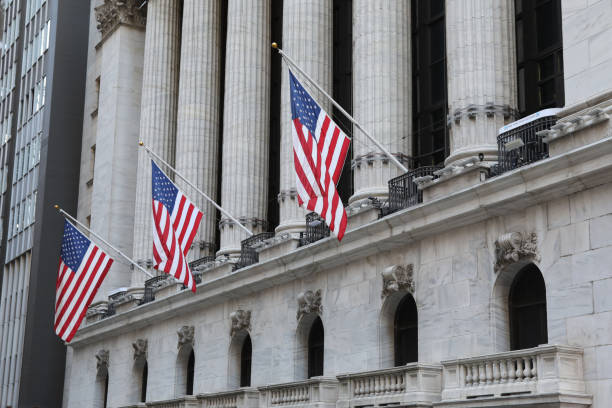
(319, 152)
(175, 223)
(82, 268)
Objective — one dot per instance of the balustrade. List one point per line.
(242, 398)
(317, 391)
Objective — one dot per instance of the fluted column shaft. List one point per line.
(157, 115)
(311, 46)
(197, 135)
(246, 128)
(382, 95)
(481, 67)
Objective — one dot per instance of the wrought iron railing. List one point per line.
(316, 229)
(403, 191)
(201, 261)
(110, 311)
(518, 143)
(248, 253)
(149, 288)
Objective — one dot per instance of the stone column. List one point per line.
(311, 46)
(382, 98)
(157, 114)
(121, 51)
(246, 117)
(481, 70)
(197, 134)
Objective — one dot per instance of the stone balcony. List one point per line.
(241, 398)
(544, 376)
(317, 392)
(414, 384)
(187, 401)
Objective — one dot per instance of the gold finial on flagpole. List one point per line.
(274, 45)
(56, 207)
(141, 143)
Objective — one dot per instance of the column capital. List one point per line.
(115, 12)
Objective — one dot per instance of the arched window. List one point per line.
(527, 307)
(245, 362)
(101, 393)
(190, 369)
(143, 384)
(315, 348)
(406, 332)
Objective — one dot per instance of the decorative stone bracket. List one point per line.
(140, 349)
(102, 360)
(185, 336)
(396, 278)
(309, 302)
(115, 12)
(241, 320)
(515, 246)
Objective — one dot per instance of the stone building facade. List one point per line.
(487, 286)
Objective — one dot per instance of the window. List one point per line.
(101, 389)
(245, 362)
(190, 370)
(539, 55)
(315, 349)
(143, 384)
(527, 307)
(406, 332)
(429, 96)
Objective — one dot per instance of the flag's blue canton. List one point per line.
(303, 106)
(74, 247)
(163, 189)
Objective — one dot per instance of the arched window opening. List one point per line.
(190, 370)
(527, 307)
(406, 332)
(143, 384)
(245, 362)
(315, 349)
(101, 392)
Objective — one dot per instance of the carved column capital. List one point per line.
(309, 302)
(396, 278)
(140, 349)
(115, 12)
(185, 336)
(515, 246)
(102, 360)
(241, 320)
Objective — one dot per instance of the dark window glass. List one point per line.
(527, 304)
(143, 385)
(539, 51)
(190, 370)
(315, 349)
(245, 362)
(406, 332)
(105, 391)
(436, 7)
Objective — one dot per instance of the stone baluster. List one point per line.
(197, 135)
(503, 371)
(481, 72)
(158, 111)
(519, 369)
(467, 375)
(489, 371)
(527, 370)
(482, 375)
(534, 368)
(382, 83)
(511, 370)
(496, 373)
(244, 187)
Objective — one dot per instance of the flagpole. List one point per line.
(152, 153)
(337, 105)
(71, 218)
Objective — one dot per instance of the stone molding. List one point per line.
(489, 110)
(309, 302)
(575, 124)
(254, 222)
(397, 278)
(371, 157)
(185, 336)
(241, 320)
(515, 246)
(287, 194)
(113, 13)
(140, 349)
(102, 359)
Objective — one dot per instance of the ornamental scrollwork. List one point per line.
(398, 278)
(241, 320)
(102, 360)
(185, 336)
(515, 246)
(140, 349)
(309, 302)
(114, 12)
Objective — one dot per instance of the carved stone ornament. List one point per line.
(185, 336)
(309, 302)
(515, 246)
(102, 359)
(140, 349)
(241, 320)
(396, 278)
(114, 12)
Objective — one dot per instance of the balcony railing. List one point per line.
(149, 288)
(242, 398)
(518, 143)
(248, 252)
(537, 372)
(187, 401)
(403, 191)
(316, 392)
(316, 229)
(412, 383)
(202, 261)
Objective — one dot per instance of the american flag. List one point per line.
(319, 151)
(82, 268)
(175, 224)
